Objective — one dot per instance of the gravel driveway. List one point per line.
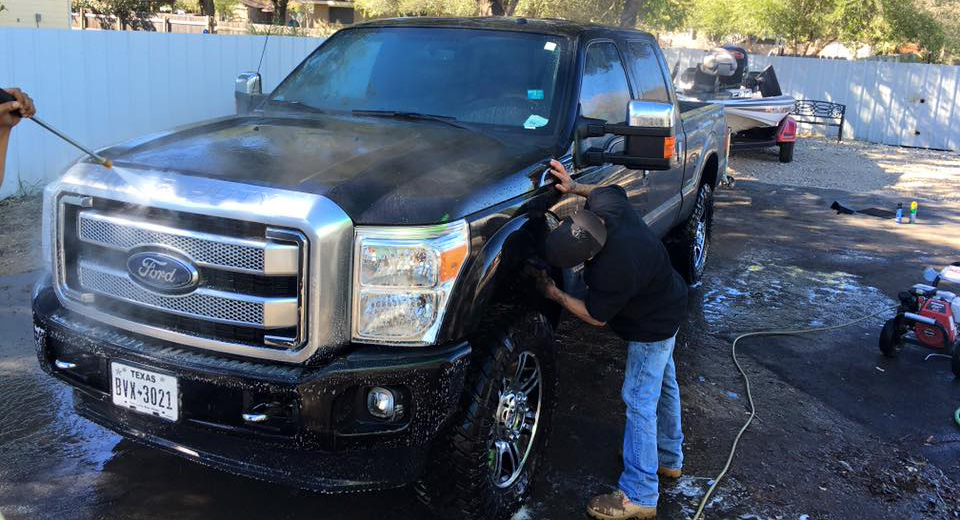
(859, 167)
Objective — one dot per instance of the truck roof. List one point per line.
(506, 23)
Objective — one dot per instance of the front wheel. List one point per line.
(690, 244)
(786, 152)
(483, 465)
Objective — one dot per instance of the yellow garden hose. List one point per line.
(753, 408)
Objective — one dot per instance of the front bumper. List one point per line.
(318, 435)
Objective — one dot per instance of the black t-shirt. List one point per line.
(631, 283)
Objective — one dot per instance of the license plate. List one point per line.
(145, 392)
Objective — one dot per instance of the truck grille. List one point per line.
(249, 291)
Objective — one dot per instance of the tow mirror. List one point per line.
(650, 137)
(248, 92)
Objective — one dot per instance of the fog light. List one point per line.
(381, 403)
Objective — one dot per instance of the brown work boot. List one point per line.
(616, 506)
(669, 472)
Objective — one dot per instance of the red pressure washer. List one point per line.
(927, 316)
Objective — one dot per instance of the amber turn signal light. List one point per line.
(669, 146)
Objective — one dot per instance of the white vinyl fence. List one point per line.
(906, 104)
(103, 87)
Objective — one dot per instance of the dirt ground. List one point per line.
(910, 173)
(19, 234)
(841, 432)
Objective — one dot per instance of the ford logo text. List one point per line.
(162, 272)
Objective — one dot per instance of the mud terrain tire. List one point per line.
(689, 244)
(459, 482)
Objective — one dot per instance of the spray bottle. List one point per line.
(899, 213)
(913, 212)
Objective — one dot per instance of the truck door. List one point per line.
(650, 84)
(604, 94)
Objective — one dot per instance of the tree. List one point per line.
(279, 11)
(807, 26)
(648, 14)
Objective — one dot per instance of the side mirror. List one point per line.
(248, 92)
(650, 137)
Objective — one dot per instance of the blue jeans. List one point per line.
(653, 437)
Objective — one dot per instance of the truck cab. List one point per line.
(326, 289)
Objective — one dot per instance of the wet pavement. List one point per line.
(841, 432)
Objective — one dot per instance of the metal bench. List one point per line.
(821, 113)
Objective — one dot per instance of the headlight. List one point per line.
(403, 276)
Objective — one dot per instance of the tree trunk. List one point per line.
(280, 12)
(631, 10)
(490, 7)
(206, 7)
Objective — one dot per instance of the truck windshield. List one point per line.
(498, 79)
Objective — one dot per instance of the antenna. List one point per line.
(264, 51)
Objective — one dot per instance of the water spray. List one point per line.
(6, 96)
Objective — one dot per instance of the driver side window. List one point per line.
(604, 92)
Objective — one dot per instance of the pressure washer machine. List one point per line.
(928, 317)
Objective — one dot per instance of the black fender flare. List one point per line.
(494, 275)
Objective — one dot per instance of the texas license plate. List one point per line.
(144, 391)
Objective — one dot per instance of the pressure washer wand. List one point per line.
(6, 96)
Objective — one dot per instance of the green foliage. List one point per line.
(378, 8)
(225, 8)
(807, 26)
(648, 14)
(2, 7)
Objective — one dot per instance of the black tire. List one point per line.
(459, 482)
(688, 253)
(890, 339)
(786, 152)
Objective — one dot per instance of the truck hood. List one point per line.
(379, 170)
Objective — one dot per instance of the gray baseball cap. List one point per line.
(578, 238)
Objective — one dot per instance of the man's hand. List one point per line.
(542, 281)
(564, 183)
(23, 103)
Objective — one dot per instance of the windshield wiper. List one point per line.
(298, 105)
(450, 120)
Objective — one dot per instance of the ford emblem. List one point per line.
(162, 272)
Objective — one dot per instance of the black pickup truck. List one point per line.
(326, 289)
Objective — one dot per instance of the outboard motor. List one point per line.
(735, 79)
(718, 63)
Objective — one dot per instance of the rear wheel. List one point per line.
(786, 152)
(483, 465)
(689, 245)
(890, 340)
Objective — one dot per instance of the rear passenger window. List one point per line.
(651, 85)
(604, 92)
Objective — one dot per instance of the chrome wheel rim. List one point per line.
(515, 421)
(700, 244)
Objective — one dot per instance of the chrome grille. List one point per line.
(213, 250)
(250, 289)
(218, 306)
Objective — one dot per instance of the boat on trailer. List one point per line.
(758, 113)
